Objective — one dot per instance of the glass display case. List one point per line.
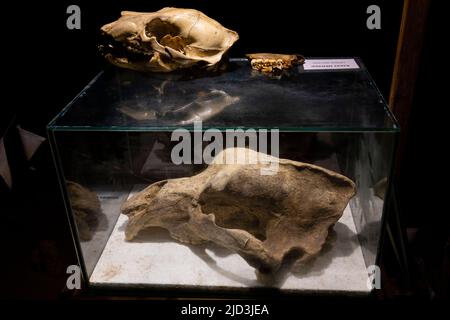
(120, 134)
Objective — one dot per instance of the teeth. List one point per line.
(138, 50)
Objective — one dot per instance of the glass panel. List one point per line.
(296, 101)
(114, 164)
(115, 139)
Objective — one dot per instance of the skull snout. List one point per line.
(120, 31)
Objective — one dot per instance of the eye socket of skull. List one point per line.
(232, 211)
(158, 28)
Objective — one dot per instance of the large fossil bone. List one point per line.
(264, 218)
(86, 209)
(166, 40)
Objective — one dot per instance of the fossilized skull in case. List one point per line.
(166, 40)
(262, 217)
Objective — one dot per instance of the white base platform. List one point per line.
(154, 259)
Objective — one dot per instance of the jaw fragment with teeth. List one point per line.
(166, 40)
(274, 62)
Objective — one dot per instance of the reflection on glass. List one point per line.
(205, 106)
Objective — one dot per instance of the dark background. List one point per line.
(69, 59)
(46, 65)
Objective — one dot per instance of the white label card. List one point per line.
(330, 64)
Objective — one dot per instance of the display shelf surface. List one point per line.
(298, 100)
(154, 259)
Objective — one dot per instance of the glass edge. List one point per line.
(191, 129)
(394, 128)
(387, 110)
(67, 205)
(51, 125)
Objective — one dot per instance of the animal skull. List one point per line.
(264, 218)
(166, 40)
